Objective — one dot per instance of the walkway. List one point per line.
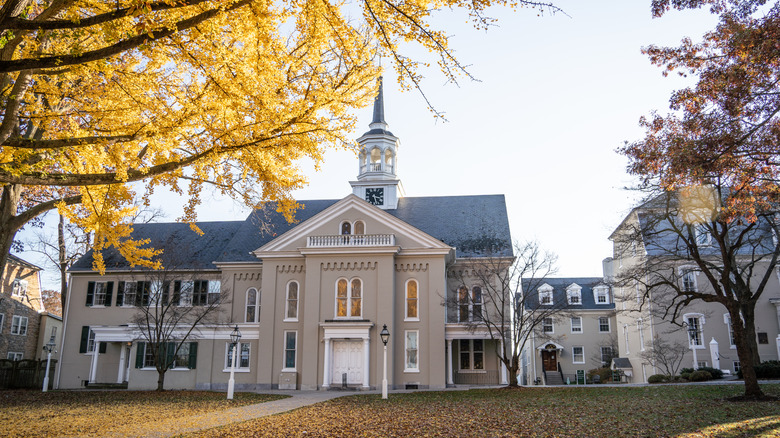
(176, 426)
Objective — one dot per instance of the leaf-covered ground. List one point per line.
(657, 411)
(101, 413)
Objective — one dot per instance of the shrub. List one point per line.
(657, 378)
(686, 370)
(716, 373)
(765, 370)
(686, 376)
(700, 376)
(605, 374)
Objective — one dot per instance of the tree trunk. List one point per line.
(160, 379)
(513, 375)
(63, 261)
(746, 352)
(9, 203)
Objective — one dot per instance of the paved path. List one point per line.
(176, 426)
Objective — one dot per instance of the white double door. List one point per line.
(348, 358)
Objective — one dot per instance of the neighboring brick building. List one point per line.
(20, 309)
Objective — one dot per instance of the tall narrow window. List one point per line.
(341, 298)
(476, 303)
(349, 298)
(215, 289)
(688, 279)
(411, 361)
(356, 300)
(463, 304)
(292, 301)
(388, 160)
(732, 338)
(411, 300)
(694, 331)
(625, 336)
(290, 347)
(252, 305)
(641, 329)
(2, 321)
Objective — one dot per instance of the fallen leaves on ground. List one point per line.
(658, 411)
(100, 413)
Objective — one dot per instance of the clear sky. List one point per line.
(557, 94)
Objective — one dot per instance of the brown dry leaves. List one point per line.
(101, 413)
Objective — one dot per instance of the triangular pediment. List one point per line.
(383, 232)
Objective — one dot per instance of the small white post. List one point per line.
(232, 381)
(695, 360)
(715, 354)
(46, 376)
(384, 375)
(449, 362)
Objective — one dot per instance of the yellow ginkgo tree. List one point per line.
(97, 95)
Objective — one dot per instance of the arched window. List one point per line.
(476, 303)
(376, 157)
(346, 228)
(360, 227)
(388, 160)
(292, 301)
(349, 298)
(362, 161)
(463, 304)
(412, 300)
(252, 305)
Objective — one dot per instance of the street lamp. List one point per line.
(48, 348)
(693, 334)
(234, 338)
(385, 335)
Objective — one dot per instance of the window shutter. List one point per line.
(90, 292)
(169, 354)
(193, 355)
(109, 293)
(102, 348)
(139, 355)
(166, 286)
(84, 338)
(120, 293)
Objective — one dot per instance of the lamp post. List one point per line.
(48, 348)
(235, 336)
(385, 335)
(693, 334)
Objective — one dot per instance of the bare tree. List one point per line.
(666, 355)
(697, 251)
(608, 350)
(490, 297)
(172, 304)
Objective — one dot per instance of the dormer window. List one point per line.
(601, 294)
(545, 295)
(574, 294)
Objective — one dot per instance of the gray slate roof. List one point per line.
(559, 286)
(477, 226)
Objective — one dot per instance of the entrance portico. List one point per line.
(347, 351)
(112, 334)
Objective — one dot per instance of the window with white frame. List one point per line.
(703, 236)
(641, 329)
(476, 303)
(574, 294)
(577, 354)
(625, 336)
(181, 357)
(412, 300)
(470, 304)
(252, 305)
(607, 353)
(545, 295)
(242, 361)
(99, 298)
(604, 324)
(215, 290)
(349, 298)
(695, 330)
(19, 325)
(472, 354)
(91, 342)
(13, 355)
(185, 290)
(688, 279)
(19, 287)
(128, 294)
(547, 325)
(601, 294)
(732, 338)
(291, 312)
(290, 349)
(576, 324)
(411, 360)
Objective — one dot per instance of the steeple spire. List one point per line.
(379, 109)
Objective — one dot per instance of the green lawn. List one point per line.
(681, 410)
(99, 413)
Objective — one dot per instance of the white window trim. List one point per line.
(545, 290)
(625, 336)
(406, 349)
(601, 290)
(287, 302)
(19, 325)
(19, 287)
(702, 236)
(256, 305)
(572, 325)
(609, 325)
(702, 321)
(730, 329)
(14, 353)
(640, 327)
(552, 324)
(694, 271)
(284, 352)
(406, 301)
(134, 285)
(574, 290)
(349, 298)
(239, 368)
(573, 356)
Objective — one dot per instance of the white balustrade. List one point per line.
(351, 240)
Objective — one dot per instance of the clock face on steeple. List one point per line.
(375, 196)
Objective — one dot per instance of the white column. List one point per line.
(449, 361)
(504, 371)
(714, 354)
(326, 365)
(366, 362)
(120, 375)
(93, 368)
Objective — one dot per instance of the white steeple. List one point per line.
(377, 180)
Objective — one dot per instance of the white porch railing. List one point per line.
(351, 240)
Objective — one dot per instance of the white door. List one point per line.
(347, 358)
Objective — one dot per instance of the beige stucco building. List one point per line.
(309, 298)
